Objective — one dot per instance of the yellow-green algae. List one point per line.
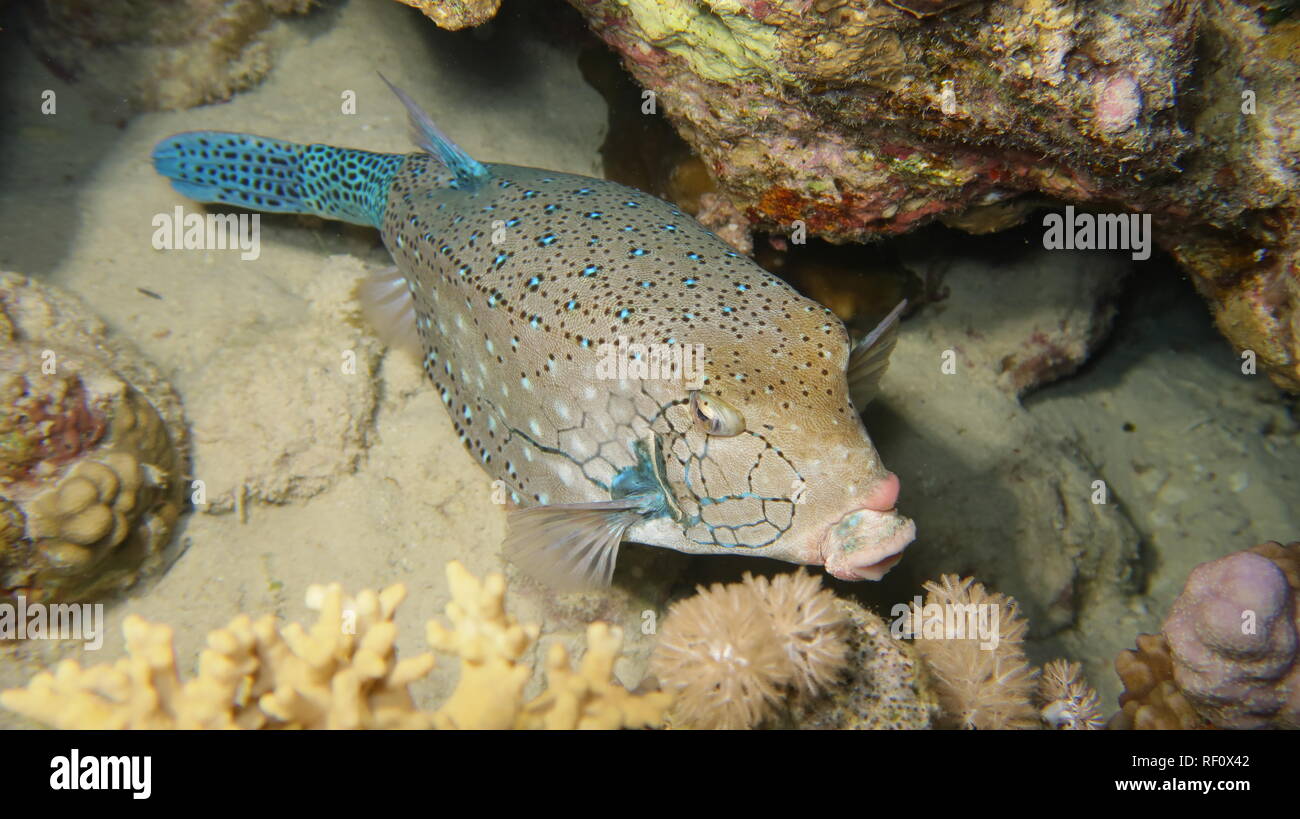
(716, 38)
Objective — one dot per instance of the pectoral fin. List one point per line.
(570, 546)
(388, 306)
(870, 358)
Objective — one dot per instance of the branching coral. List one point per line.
(728, 651)
(983, 680)
(491, 646)
(343, 672)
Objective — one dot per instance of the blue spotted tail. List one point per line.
(272, 175)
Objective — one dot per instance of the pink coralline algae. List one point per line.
(1119, 101)
(1234, 635)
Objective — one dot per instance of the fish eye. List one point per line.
(715, 416)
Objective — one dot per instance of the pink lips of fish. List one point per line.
(868, 541)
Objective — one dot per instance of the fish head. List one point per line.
(770, 457)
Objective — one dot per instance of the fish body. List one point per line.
(619, 370)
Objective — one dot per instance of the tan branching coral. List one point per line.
(343, 672)
(983, 681)
(730, 650)
(492, 646)
(1065, 699)
(589, 697)
(1151, 700)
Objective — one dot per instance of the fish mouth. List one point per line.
(869, 541)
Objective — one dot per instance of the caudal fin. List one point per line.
(272, 175)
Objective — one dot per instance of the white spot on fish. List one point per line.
(566, 473)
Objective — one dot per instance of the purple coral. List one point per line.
(1233, 634)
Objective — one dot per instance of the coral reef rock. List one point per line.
(1234, 638)
(884, 686)
(92, 452)
(454, 15)
(867, 117)
(160, 56)
(261, 437)
(343, 673)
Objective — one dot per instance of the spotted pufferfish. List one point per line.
(537, 302)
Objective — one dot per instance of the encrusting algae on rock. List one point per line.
(92, 452)
(344, 673)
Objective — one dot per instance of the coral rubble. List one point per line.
(861, 118)
(160, 55)
(454, 15)
(304, 434)
(92, 452)
(343, 672)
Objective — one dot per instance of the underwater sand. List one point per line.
(383, 492)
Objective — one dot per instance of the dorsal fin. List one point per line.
(870, 358)
(468, 170)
